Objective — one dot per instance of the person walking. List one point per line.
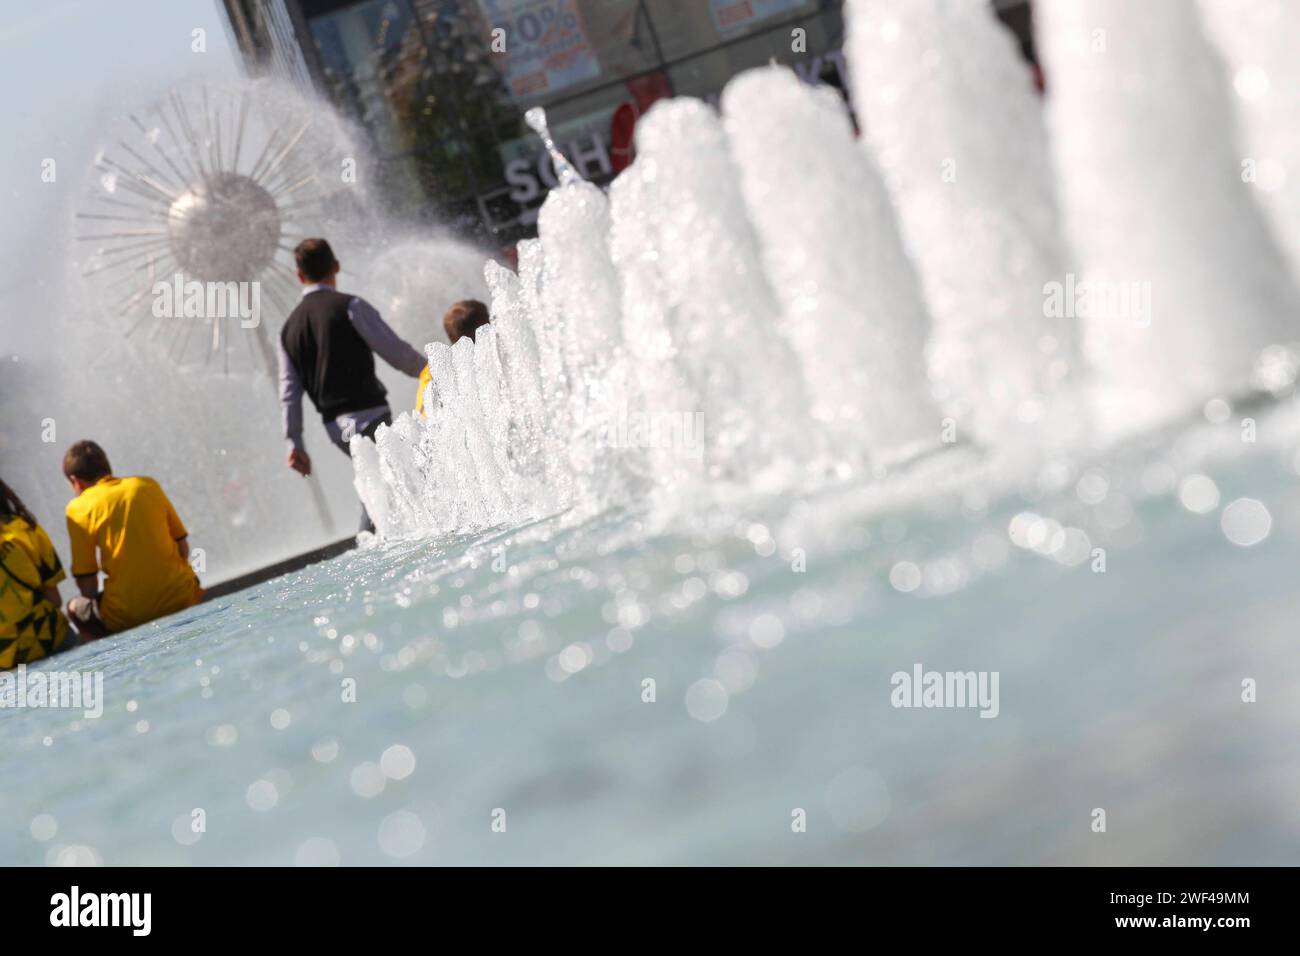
(327, 350)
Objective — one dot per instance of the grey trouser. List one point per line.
(367, 432)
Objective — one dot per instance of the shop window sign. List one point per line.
(546, 47)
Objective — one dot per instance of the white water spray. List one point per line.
(949, 112)
(1257, 42)
(852, 311)
(764, 276)
(1143, 143)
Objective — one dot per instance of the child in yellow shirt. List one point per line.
(31, 624)
(462, 319)
(143, 548)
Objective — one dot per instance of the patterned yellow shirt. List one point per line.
(31, 627)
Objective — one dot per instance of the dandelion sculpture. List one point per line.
(215, 185)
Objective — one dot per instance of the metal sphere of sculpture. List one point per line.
(224, 228)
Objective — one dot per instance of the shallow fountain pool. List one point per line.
(500, 679)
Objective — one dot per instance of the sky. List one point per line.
(70, 68)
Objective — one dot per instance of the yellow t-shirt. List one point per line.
(425, 378)
(30, 626)
(135, 528)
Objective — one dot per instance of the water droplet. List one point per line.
(1246, 522)
(905, 576)
(397, 762)
(317, 851)
(44, 827)
(401, 834)
(1198, 494)
(262, 795)
(706, 700)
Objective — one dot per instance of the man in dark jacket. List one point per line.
(327, 349)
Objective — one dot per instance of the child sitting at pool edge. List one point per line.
(143, 548)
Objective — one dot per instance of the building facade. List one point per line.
(440, 87)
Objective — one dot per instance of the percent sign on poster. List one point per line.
(546, 45)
